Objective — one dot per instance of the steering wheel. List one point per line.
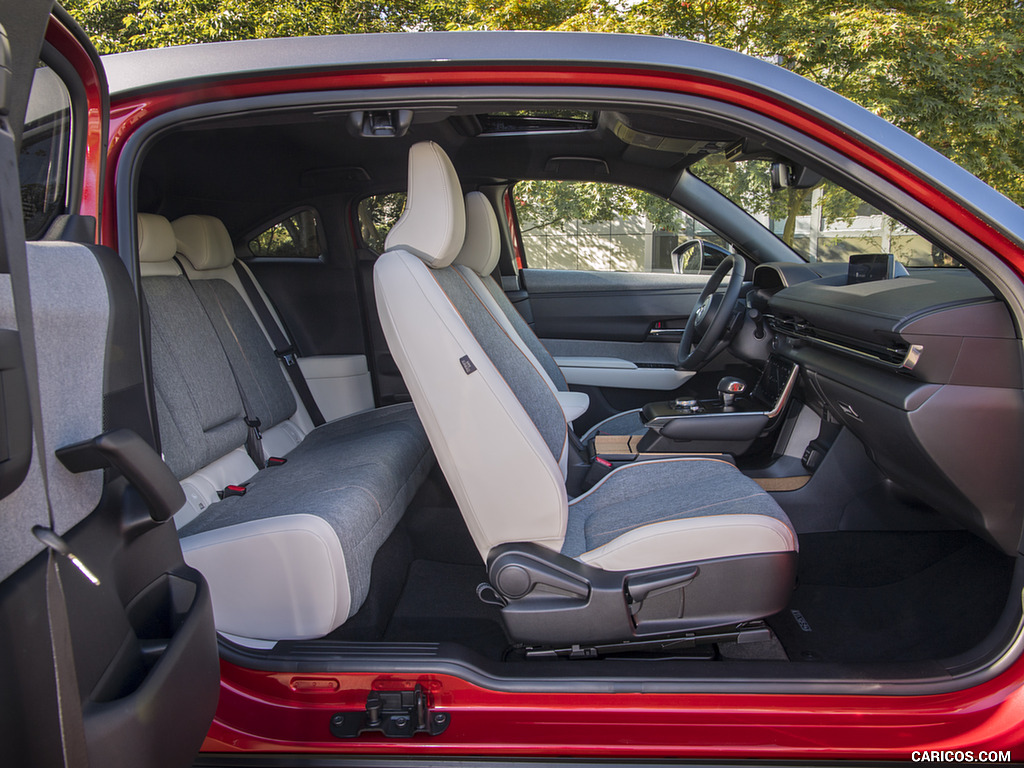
(706, 326)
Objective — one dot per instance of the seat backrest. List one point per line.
(477, 260)
(81, 306)
(492, 417)
(208, 256)
(199, 410)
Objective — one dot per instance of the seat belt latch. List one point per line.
(598, 470)
(254, 425)
(232, 490)
(276, 461)
(54, 542)
(287, 355)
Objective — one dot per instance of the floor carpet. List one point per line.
(439, 604)
(892, 596)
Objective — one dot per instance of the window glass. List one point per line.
(603, 227)
(377, 214)
(823, 222)
(294, 237)
(45, 152)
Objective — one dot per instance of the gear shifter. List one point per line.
(728, 388)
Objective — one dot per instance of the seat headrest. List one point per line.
(156, 238)
(482, 246)
(433, 224)
(204, 241)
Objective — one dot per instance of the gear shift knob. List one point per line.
(729, 387)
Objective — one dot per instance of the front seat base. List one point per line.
(553, 600)
(749, 632)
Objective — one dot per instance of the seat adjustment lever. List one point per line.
(638, 588)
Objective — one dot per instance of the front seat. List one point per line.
(477, 260)
(655, 548)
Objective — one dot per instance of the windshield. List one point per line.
(822, 222)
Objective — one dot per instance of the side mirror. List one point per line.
(688, 258)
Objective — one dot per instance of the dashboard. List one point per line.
(924, 368)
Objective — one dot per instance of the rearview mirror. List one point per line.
(790, 175)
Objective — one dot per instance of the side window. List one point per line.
(296, 236)
(43, 163)
(377, 214)
(603, 227)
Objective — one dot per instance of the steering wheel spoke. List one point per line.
(709, 320)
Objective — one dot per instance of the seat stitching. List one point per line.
(755, 523)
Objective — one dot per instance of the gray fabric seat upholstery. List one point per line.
(624, 423)
(649, 493)
(477, 260)
(474, 383)
(291, 558)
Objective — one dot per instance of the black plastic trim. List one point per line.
(134, 458)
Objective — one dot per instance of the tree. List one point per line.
(127, 25)
(951, 72)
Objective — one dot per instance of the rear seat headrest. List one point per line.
(433, 224)
(156, 238)
(482, 245)
(204, 241)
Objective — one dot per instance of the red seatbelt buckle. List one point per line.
(232, 490)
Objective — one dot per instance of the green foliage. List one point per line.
(543, 204)
(748, 184)
(377, 215)
(950, 72)
(295, 237)
(127, 25)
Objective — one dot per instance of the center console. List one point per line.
(729, 424)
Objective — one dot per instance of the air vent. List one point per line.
(892, 355)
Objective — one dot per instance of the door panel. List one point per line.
(122, 668)
(609, 306)
(318, 302)
(630, 316)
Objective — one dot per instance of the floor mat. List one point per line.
(439, 604)
(879, 597)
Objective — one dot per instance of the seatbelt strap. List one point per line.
(253, 438)
(283, 348)
(74, 749)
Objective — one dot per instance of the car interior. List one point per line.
(408, 436)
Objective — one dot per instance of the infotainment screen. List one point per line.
(868, 267)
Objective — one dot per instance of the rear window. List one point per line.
(377, 214)
(296, 236)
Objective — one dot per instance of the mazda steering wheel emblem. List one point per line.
(702, 309)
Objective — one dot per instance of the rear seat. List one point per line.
(290, 558)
